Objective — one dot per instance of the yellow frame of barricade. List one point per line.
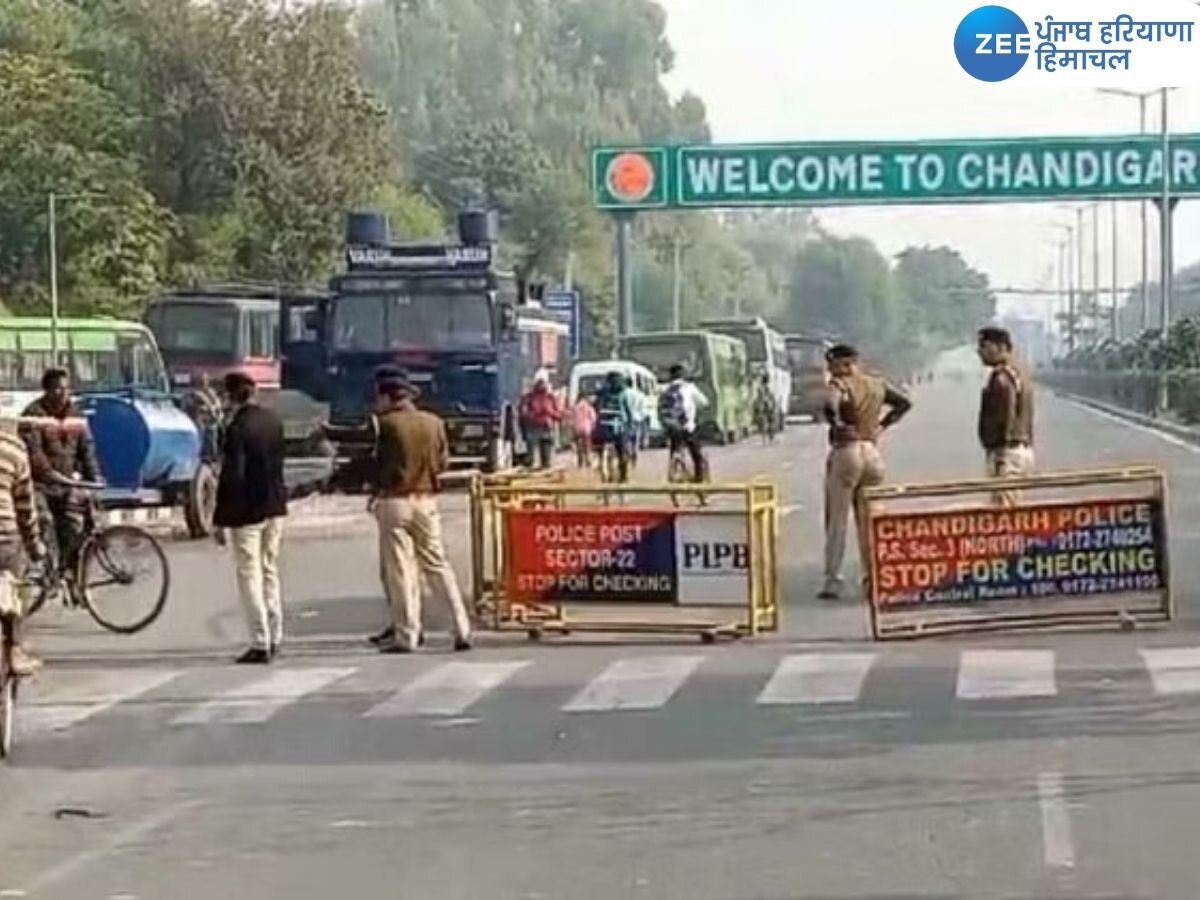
(491, 497)
(1137, 608)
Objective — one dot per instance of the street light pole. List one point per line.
(1142, 97)
(1115, 310)
(1165, 217)
(52, 202)
(1096, 268)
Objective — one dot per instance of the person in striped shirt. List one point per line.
(20, 540)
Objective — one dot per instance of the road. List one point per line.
(1031, 766)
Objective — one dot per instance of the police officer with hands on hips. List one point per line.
(854, 408)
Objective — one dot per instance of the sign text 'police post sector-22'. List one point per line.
(716, 175)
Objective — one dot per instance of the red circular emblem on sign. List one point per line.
(630, 177)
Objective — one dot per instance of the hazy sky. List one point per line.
(803, 70)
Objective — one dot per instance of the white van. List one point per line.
(588, 377)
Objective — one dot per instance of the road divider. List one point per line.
(1059, 549)
(549, 556)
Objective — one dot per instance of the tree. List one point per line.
(945, 295)
(60, 132)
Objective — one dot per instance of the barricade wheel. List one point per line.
(708, 637)
(535, 634)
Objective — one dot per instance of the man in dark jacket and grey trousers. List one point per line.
(251, 504)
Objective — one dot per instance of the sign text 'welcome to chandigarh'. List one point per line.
(716, 175)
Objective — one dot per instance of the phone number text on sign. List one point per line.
(590, 555)
(965, 556)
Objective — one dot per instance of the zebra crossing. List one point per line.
(430, 687)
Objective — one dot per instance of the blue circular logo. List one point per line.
(992, 43)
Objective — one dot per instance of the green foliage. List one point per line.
(61, 133)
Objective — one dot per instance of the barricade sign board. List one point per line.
(1089, 558)
(713, 553)
(618, 555)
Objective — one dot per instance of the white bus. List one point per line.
(767, 354)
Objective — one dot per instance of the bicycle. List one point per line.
(680, 471)
(609, 463)
(111, 560)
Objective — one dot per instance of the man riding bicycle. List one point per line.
(19, 541)
(678, 406)
(616, 421)
(60, 448)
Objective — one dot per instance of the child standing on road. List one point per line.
(583, 424)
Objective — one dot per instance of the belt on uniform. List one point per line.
(1013, 445)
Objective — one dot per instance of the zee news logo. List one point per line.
(992, 43)
(715, 556)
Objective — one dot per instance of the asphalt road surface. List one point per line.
(810, 764)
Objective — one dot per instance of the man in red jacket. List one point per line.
(540, 412)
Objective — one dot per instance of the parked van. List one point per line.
(588, 377)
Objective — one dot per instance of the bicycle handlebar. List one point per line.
(60, 480)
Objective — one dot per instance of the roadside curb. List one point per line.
(1182, 432)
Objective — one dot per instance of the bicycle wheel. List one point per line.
(123, 578)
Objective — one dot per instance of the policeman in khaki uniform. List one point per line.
(854, 408)
(1005, 412)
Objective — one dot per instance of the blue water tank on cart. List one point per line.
(143, 441)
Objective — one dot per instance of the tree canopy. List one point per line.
(217, 139)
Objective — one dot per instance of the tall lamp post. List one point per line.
(53, 199)
(1143, 98)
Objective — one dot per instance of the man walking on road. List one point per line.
(411, 452)
(1005, 412)
(251, 503)
(679, 408)
(854, 410)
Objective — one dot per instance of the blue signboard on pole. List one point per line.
(567, 303)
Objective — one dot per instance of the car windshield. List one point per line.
(659, 356)
(197, 329)
(376, 323)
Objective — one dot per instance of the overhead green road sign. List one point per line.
(815, 174)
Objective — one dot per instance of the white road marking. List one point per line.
(1174, 670)
(132, 833)
(817, 678)
(1058, 845)
(259, 700)
(643, 682)
(1137, 426)
(85, 694)
(997, 674)
(448, 690)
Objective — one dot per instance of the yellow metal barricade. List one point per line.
(549, 556)
(1071, 548)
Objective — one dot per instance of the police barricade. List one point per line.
(1081, 548)
(557, 558)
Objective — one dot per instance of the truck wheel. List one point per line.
(201, 502)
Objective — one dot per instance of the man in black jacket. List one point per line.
(251, 503)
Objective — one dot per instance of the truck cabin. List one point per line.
(213, 330)
(445, 312)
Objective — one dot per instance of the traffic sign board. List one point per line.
(566, 302)
(1017, 169)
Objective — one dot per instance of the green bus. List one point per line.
(101, 355)
(716, 363)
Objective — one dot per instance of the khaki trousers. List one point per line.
(848, 470)
(256, 555)
(410, 543)
(1009, 462)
